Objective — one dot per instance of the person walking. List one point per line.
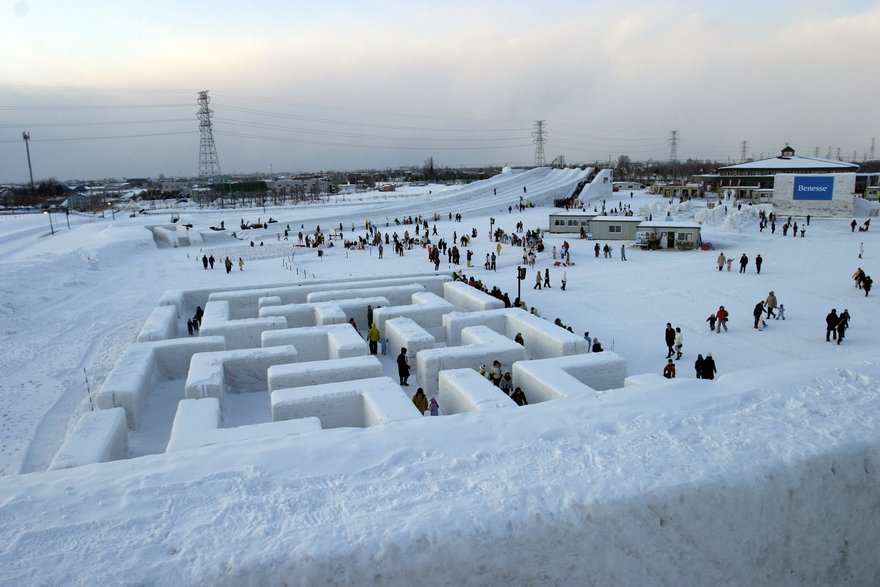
(403, 368)
(211, 261)
(721, 261)
(434, 407)
(373, 336)
(205, 261)
(758, 312)
(679, 342)
(867, 282)
(546, 277)
(722, 315)
(831, 320)
(519, 397)
(780, 312)
(622, 252)
(228, 263)
(564, 280)
(712, 320)
(770, 304)
(709, 369)
(669, 369)
(537, 280)
(669, 337)
(842, 325)
(420, 400)
(240, 264)
(743, 263)
(596, 250)
(758, 262)
(698, 366)
(861, 249)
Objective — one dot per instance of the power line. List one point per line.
(100, 138)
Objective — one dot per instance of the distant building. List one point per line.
(744, 181)
(829, 195)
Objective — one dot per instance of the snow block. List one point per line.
(359, 403)
(315, 372)
(234, 371)
(396, 294)
(465, 390)
(323, 313)
(543, 339)
(269, 301)
(240, 334)
(469, 299)
(426, 310)
(480, 345)
(572, 376)
(98, 437)
(197, 423)
(319, 343)
(405, 333)
(144, 363)
(160, 325)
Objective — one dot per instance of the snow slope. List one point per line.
(766, 476)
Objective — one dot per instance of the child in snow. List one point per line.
(434, 406)
(384, 343)
(669, 369)
(711, 320)
(780, 312)
(729, 263)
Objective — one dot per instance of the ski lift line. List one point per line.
(358, 124)
(353, 135)
(360, 146)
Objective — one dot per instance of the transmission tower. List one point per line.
(673, 146)
(816, 153)
(539, 134)
(743, 149)
(209, 164)
(828, 154)
(873, 144)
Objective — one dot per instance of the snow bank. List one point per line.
(469, 299)
(549, 379)
(359, 403)
(160, 325)
(315, 372)
(319, 343)
(142, 364)
(316, 314)
(406, 333)
(465, 390)
(240, 334)
(396, 294)
(99, 436)
(427, 310)
(234, 371)
(197, 424)
(542, 338)
(481, 345)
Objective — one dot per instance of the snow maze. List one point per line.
(284, 360)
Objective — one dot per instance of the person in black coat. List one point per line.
(831, 321)
(709, 369)
(698, 366)
(670, 339)
(743, 263)
(758, 312)
(403, 367)
(519, 397)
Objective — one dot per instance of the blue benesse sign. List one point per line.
(813, 188)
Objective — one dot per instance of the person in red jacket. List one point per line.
(722, 316)
(669, 369)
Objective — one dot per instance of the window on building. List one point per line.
(614, 228)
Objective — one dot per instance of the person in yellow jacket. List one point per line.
(420, 400)
(373, 336)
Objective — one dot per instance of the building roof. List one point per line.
(578, 213)
(788, 163)
(619, 218)
(669, 224)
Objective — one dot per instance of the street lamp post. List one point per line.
(51, 226)
(491, 224)
(520, 275)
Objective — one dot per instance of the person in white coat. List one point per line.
(679, 342)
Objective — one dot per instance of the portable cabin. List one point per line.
(668, 234)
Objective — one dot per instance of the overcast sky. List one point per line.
(306, 86)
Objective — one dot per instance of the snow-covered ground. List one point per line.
(766, 476)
